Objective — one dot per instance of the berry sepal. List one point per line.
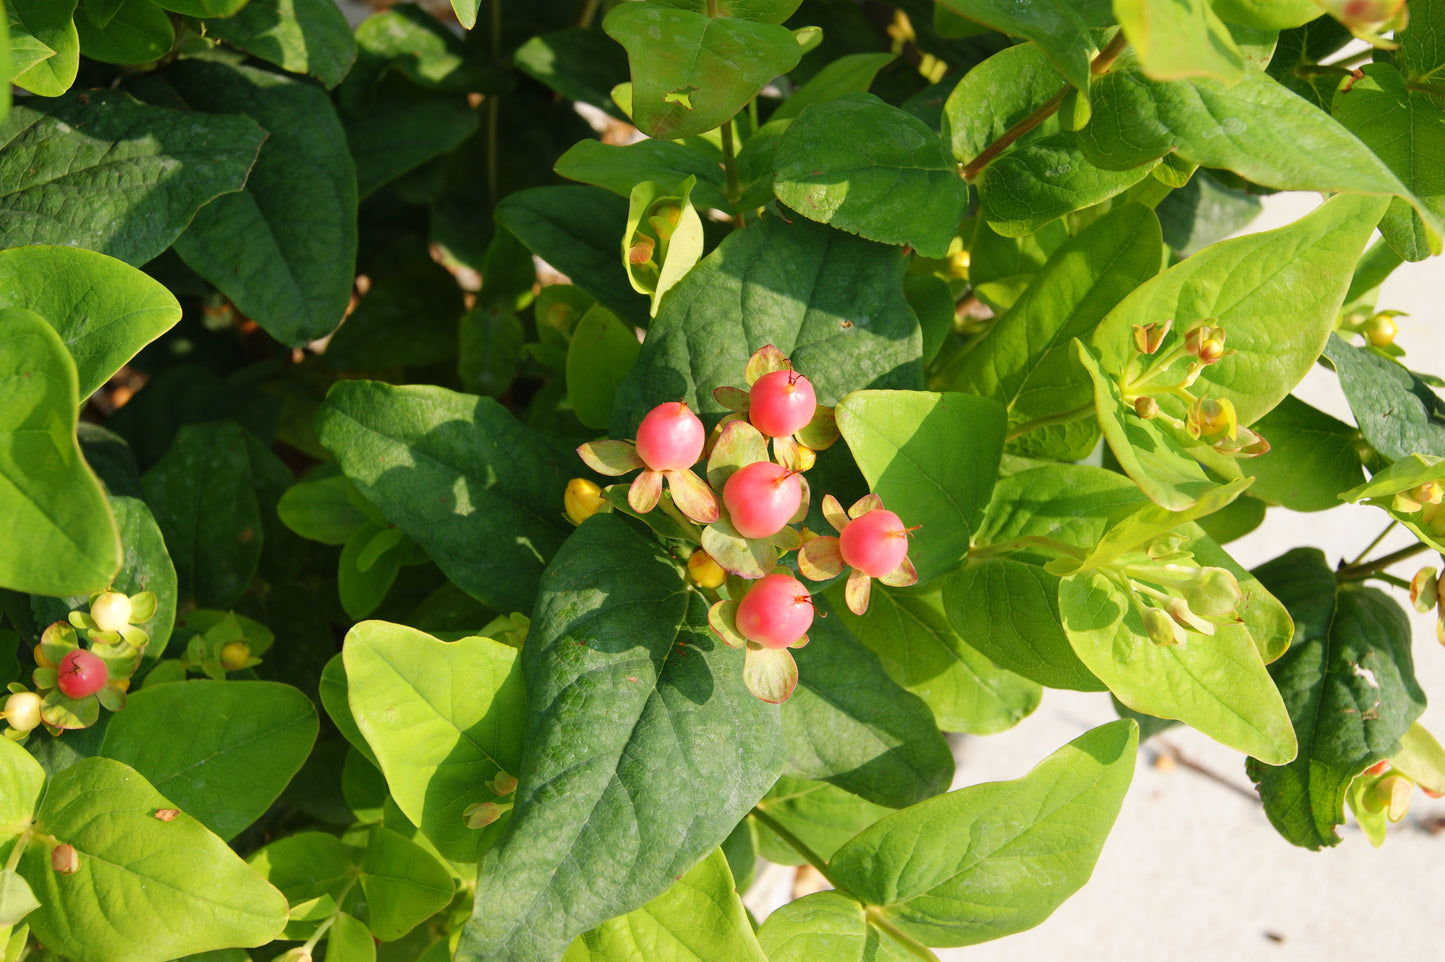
(770, 674)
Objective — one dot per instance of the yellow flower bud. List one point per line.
(582, 500)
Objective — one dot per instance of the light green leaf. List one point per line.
(822, 816)
(691, 73)
(334, 689)
(104, 310)
(661, 215)
(309, 866)
(699, 919)
(244, 740)
(1025, 362)
(1268, 14)
(62, 538)
(466, 11)
(1312, 458)
(49, 25)
(443, 719)
(1054, 25)
(16, 899)
(619, 168)
(910, 633)
(404, 886)
(643, 748)
(283, 249)
(22, 780)
(114, 175)
(1180, 38)
(500, 521)
(137, 32)
(146, 890)
(997, 858)
(300, 36)
(828, 927)
(370, 562)
(871, 169)
(600, 354)
(1042, 178)
(349, 941)
(933, 459)
(1217, 684)
(323, 508)
(1072, 503)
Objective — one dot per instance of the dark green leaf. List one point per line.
(578, 63)
(408, 317)
(849, 725)
(404, 886)
(203, 8)
(244, 740)
(409, 41)
(643, 747)
(500, 519)
(1312, 458)
(830, 301)
(404, 129)
(283, 249)
(619, 168)
(871, 169)
(300, 36)
(114, 175)
(1054, 25)
(1422, 44)
(370, 562)
(61, 536)
(488, 349)
(1398, 413)
(994, 859)
(137, 32)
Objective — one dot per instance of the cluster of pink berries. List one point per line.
(753, 494)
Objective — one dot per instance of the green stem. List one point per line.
(878, 919)
(589, 10)
(798, 845)
(1426, 88)
(1062, 417)
(1027, 541)
(1373, 544)
(19, 849)
(1361, 571)
(730, 167)
(1322, 70)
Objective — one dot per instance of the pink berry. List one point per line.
(81, 673)
(776, 611)
(781, 402)
(670, 438)
(761, 497)
(875, 544)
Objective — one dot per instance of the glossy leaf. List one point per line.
(501, 520)
(1001, 856)
(1180, 38)
(244, 740)
(831, 302)
(699, 919)
(403, 885)
(631, 702)
(908, 630)
(443, 719)
(1025, 361)
(147, 890)
(1349, 684)
(49, 25)
(104, 310)
(840, 727)
(871, 169)
(1312, 458)
(1398, 413)
(933, 459)
(1052, 24)
(115, 175)
(1217, 684)
(283, 249)
(203, 496)
(828, 927)
(300, 36)
(703, 73)
(62, 538)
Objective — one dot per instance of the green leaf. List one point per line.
(850, 73)
(643, 747)
(322, 509)
(575, 229)
(6, 70)
(996, 95)
(600, 354)
(1422, 44)
(466, 11)
(1009, 611)
(1311, 459)
(401, 132)
(1407, 130)
(307, 866)
(1397, 412)
(1350, 688)
(618, 168)
(300, 36)
(910, 633)
(349, 941)
(1203, 212)
(409, 41)
(404, 886)
(147, 890)
(443, 719)
(22, 780)
(50, 25)
(1217, 684)
(204, 499)
(822, 816)
(334, 690)
(1276, 295)
(62, 538)
(203, 8)
(283, 249)
(691, 73)
(871, 169)
(114, 175)
(104, 310)
(699, 919)
(662, 216)
(16, 899)
(370, 562)
(1258, 128)
(1268, 14)
(830, 301)
(137, 32)
(1072, 503)
(933, 459)
(1398, 479)
(408, 317)
(828, 927)
(244, 740)
(994, 859)
(1025, 361)
(488, 350)
(1054, 25)
(500, 521)
(580, 64)
(1180, 38)
(849, 725)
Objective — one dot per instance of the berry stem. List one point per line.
(798, 845)
(1373, 544)
(1362, 570)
